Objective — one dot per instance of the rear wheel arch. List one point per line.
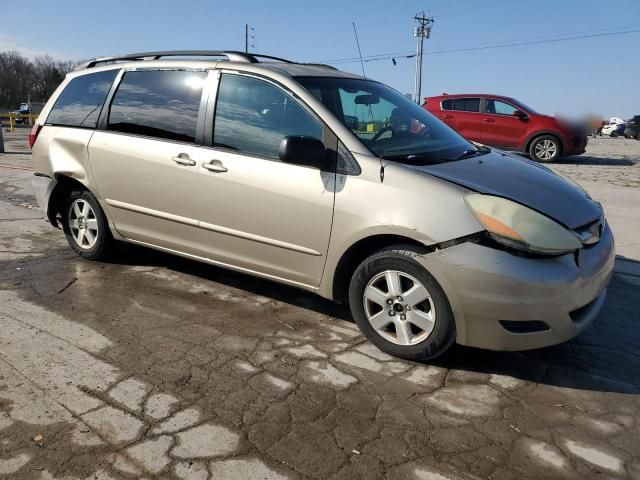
(64, 186)
(85, 225)
(358, 252)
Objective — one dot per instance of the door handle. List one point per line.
(449, 116)
(215, 166)
(184, 160)
(488, 120)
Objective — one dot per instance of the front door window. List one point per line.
(253, 116)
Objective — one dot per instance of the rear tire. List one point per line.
(418, 329)
(85, 226)
(545, 149)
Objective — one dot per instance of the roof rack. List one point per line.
(231, 55)
(321, 65)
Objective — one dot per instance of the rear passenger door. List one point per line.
(144, 155)
(463, 115)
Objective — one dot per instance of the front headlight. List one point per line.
(520, 227)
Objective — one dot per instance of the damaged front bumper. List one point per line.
(503, 301)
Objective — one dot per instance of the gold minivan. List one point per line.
(326, 181)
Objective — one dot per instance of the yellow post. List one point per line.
(11, 126)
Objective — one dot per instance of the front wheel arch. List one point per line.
(402, 259)
(356, 253)
(537, 135)
(561, 147)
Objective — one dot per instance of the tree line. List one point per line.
(22, 78)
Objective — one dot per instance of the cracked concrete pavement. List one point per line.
(153, 366)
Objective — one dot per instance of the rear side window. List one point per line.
(158, 103)
(447, 104)
(466, 104)
(80, 102)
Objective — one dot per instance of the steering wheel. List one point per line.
(379, 133)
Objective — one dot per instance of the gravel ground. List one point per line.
(153, 366)
(607, 160)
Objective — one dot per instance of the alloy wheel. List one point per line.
(546, 149)
(399, 308)
(83, 224)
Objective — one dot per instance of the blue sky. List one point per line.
(600, 75)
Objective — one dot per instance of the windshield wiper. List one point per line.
(412, 159)
(472, 153)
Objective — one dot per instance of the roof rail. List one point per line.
(231, 55)
(321, 65)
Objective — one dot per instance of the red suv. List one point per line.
(505, 123)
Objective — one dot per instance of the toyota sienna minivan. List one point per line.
(326, 181)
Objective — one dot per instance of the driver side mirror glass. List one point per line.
(304, 150)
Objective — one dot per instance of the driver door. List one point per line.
(255, 212)
(500, 127)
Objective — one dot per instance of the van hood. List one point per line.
(523, 181)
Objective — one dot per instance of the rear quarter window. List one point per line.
(80, 102)
(466, 104)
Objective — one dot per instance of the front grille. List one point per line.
(524, 326)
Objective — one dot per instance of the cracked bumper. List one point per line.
(485, 286)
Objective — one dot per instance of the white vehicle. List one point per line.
(614, 128)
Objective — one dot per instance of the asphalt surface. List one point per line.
(153, 366)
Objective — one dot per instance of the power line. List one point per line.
(516, 43)
(524, 41)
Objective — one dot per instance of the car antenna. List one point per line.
(355, 32)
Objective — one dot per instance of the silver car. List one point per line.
(326, 181)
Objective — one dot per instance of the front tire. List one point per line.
(545, 149)
(400, 307)
(85, 226)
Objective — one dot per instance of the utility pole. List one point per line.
(421, 31)
(247, 37)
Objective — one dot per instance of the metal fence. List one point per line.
(30, 117)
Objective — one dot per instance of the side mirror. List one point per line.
(303, 150)
(520, 114)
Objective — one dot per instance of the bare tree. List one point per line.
(22, 78)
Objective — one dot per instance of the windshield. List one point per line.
(389, 124)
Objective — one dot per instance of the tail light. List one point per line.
(33, 134)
